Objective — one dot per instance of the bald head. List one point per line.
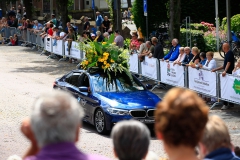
(226, 47)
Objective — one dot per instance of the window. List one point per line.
(87, 2)
(73, 79)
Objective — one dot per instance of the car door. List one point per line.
(71, 85)
(87, 100)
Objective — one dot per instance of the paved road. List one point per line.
(25, 74)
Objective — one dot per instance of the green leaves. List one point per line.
(98, 47)
(111, 39)
(236, 86)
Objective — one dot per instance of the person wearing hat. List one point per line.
(93, 36)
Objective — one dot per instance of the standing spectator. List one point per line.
(236, 70)
(134, 42)
(216, 142)
(54, 20)
(158, 49)
(203, 58)
(71, 37)
(50, 30)
(181, 56)
(56, 34)
(210, 63)
(187, 58)
(180, 119)
(37, 26)
(148, 52)
(86, 25)
(14, 21)
(131, 140)
(53, 128)
(99, 20)
(143, 46)
(125, 14)
(129, 14)
(19, 15)
(196, 58)
(62, 34)
(228, 67)
(106, 24)
(173, 54)
(118, 39)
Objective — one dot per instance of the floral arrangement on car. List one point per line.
(105, 56)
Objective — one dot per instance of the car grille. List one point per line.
(150, 112)
(138, 113)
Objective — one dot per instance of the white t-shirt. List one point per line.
(237, 72)
(62, 34)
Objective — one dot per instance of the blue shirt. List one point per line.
(187, 59)
(221, 154)
(173, 54)
(203, 61)
(38, 27)
(99, 20)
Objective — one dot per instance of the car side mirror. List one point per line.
(83, 89)
(148, 86)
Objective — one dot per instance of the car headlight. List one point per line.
(115, 111)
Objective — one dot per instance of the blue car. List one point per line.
(108, 103)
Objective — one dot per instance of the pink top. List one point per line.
(180, 57)
(135, 43)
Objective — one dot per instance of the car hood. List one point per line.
(129, 100)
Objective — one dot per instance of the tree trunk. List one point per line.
(129, 3)
(4, 8)
(174, 23)
(117, 17)
(28, 6)
(63, 8)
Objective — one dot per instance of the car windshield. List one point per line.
(120, 83)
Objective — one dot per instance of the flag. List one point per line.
(93, 4)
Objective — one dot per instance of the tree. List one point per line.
(174, 22)
(28, 6)
(117, 15)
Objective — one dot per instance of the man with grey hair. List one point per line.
(174, 52)
(54, 128)
(130, 140)
(216, 142)
(99, 37)
(148, 52)
(106, 35)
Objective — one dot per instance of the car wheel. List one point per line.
(100, 122)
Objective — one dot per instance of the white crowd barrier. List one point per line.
(230, 88)
(172, 74)
(202, 81)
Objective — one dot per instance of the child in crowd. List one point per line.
(13, 40)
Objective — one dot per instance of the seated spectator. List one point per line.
(131, 140)
(134, 41)
(158, 49)
(180, 119)
(203, 58)
(215, 143)
(181, 56)
(147, 52)
(173, 54)
(196, 58)
(106, 35)
(187, 58)
(99, 37)
(93, 36)
(236, 70)
(53, 128)
(13, 40)
(210, 63)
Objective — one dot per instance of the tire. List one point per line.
(100, 122)
(222, 54)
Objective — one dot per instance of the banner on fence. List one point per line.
(149, 68)
(202, 81)
(133, 62)
(172, 74)
(48, 44)
(58, 47)
(230, 88)
(74, 51)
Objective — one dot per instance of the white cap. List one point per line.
(92, 34)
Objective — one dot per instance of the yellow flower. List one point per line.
(107, 65)
(104, 43)
(105, 62)
(105, 57)
(106, 54)
(102, 67)
(112, 61)
(86, 62)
